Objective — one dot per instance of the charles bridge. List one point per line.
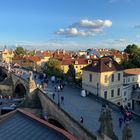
(24, 85)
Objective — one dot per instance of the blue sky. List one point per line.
(69, 24)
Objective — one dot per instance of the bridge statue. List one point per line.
(32, 84)
(106, 125)
(127, 132)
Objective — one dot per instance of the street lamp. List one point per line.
(58, 99)
(97, 89)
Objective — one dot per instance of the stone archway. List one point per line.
(20, 91)
(56, 123)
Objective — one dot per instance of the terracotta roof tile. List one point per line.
(134, 71)
(66, 62)
(33, 58)
(81, 61)
(103, 64)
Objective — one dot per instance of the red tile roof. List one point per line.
(66, 61)
(32, 58)
(17, 58)
(135, 71)
(47, 54)
(81, 61)
(103, 64)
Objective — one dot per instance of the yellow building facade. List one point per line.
(6, 55)
(104, 79)
(78, 65)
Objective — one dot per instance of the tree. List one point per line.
(53, 67)
(131, 49)
(127, 64)
(134, 57)
(71, 73)
(20, 51)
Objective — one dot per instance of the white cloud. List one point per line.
(85, 28)
(93, 23)
(121, 40)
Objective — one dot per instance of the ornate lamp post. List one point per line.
(97, 89)
(58, 103)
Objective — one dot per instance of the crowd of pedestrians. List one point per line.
(126, 115)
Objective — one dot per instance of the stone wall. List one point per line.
(6, 90)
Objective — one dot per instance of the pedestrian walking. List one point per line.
(45, 115)
(62, 100)
(55, 88)
(53, 95)
(81, 119)
(120, 122)
(58, 88)
(61, 87)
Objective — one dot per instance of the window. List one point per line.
(124, 93)
(119, 76)
(133, 79)
(105, 94)
(105, 79)
(112, 78)
(128, 80)
(118, 93)
(112, 93)
(118, 103)
(124, 81)
(90, 77)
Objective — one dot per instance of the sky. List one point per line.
(69, 24)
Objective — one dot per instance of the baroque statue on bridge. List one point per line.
(32, 84)
(127, 132)
(106, 125)
(30, 75)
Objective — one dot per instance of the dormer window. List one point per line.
(76, 62)
(95, 63)
(89, 61)
(110, 64)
